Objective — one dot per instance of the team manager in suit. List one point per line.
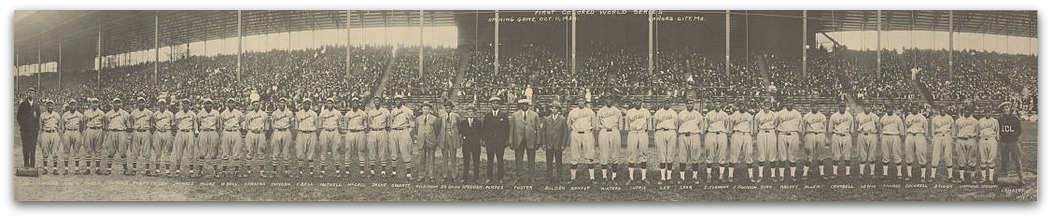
(524, 138)
(495, 138)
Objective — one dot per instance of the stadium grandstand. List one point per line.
(827, 56)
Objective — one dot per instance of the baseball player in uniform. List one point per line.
(916, 143)
(93, 122)
(867, 141)
(400, 141)
(72, 143)
(306, 137)
(665, 123)
(943, 129)
(891, 130)
(717, 126)
(183, 148)
(450, 139)
(767, 149)
(638, 120)
(582, 121)
(742, 128)
(967, 131)
(231, 145)
(988, 138)
(208, 138)
(379, 118)
(841, 125)
(609, 137)
(50, 139)
(329, 138)
(691, 125)
(280, 122)
(141, 124)
(161, 141)
(354, 124)
(255, 141)
(789, 127)
(815, 127)
(117, 124)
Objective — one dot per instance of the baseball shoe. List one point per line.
(730, 180)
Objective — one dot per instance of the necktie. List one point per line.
(523, 115)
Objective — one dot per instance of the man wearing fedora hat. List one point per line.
(495, 137)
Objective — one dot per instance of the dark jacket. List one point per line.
(495, 128)
(472, 133)
(1010, 128)
(28, 116)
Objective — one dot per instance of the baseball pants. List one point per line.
(966, 152)
(841, 147)
(988, 152)
(637, 146)
(280, 146)
(400, 147)
(71, 145)
(741, 142)
(182, 147)
(50, 146)
(716, 147)
(665, 141)
(378, 149)
(116, 142)
(789, 144)
(689, 148)
(255, 147)
(306, 145)
(140, 146)
(891, 148)
(582, 146)
(91, 149)
(942, 150)
(230, 148)
(161, 147)
(916, 149)
(867, 147)
(354, 145)
(767, 147)
(609, 146)
(812, 142)
(328, 146)
(207, 147)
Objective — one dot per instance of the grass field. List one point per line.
(120, 188)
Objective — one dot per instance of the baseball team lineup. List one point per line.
(620, 140)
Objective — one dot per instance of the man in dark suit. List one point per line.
(523, 136)
(495, 137)
(471, 128)
(554, 136)
(29, 125)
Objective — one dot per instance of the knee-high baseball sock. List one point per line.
(613, 173)
(836, 168)
(760, 169)
(781, 169)
(723, 169)
(591, 171)
(643, 171)
(898, 169)
(792, 168)
(924, 171)
(708, 171)
(993, 172)
(631, 171)
(885, 168)
(604, 167)
(806, 165)
(730, 174)
(682, 167)
(664, 171)
(821, 167)
(909, 170)
(573, 172)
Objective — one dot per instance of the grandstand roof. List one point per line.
(1012, 23)
(126, 31)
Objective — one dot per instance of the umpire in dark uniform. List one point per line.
(1009, 145)
(495, 138)
(29, 125)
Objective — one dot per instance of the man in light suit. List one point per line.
(523, 137)
(449, 140)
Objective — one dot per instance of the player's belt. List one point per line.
(986, 138)
(788, 133)
(716, 133)
(306, 131)
(890, 133)
(162, 130)
(355, 130)
(257, 131)
(687, 134)
(840, 134)
(743, 132)
(229, 130)
(49, 131)
(142, 130)
(73, 130)
(916, 133)
(637, 131)
(94, 128)
(609, 130)
(815, 132)
(963, 138)
(281, 129)
(184, 130)
(397, 129)
(766, 131)
(207, 130)
(116, 130)
(330, 130)
(664, 129)
(379, 129)
(581, 132)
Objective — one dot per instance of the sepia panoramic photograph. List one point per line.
(525, 105)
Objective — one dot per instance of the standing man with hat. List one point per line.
(582, 121)
(29, 128)
(892, 131)
(916, 144)
(117, 125)
(329, 138)
(840, 124)
(610, 119)
(717, 126)
(50, 139)
(988, 138)
(163, 122)
(554, 137)
(280, 124)
(141, 125)
(400, 139)
(1009, 135)
(450, 139)
(868, 143)
(207, 138)
(231, 145)
(306, 137)
(816, 126)
(691, 125)
(742, 127)
(639, 123)
(665, 122)
(789, 128)
(379, 120)
(354, 124)
(471, 129)
(942, 128)
(255, 140)
(92, 147)
(426, 135)
(183, 147)
(495, 137)
(768, 154)
(72, 138)
(524, 138)
(967, 131)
